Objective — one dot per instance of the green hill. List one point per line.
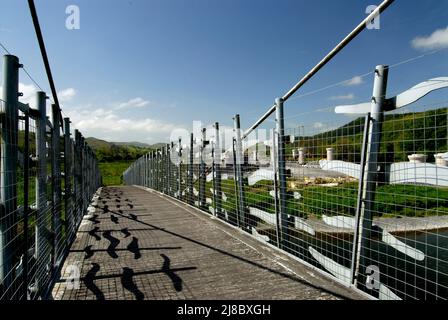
(110, 151)
(403, 134)
(134, 144)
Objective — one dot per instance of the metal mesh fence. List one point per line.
(43, 198)
(362, 199)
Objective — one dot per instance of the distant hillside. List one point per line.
(95, 143)
(112, 151)
(403, 134)
(158, 145)
(133, 143)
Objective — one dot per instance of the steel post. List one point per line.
(56, 181)
(281, 171)
(217, 176)
(239, 156)
(371, 172)
(8, 179)
(26, 208)
(179, 154)
(202, 174)
(190, 171)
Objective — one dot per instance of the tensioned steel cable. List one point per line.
(4, 48)
(43, 51)
(341, 45)
(24, 69)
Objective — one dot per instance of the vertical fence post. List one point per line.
(274, 154)
(41, 183)
(359, 199)
(69, 221)
(148, 170)
(202, 174)
(179, 154)
(56, 181)
(169, 149)
(89, 173)
(77, 177)
(213, 179)
(217, 177)
(151, 169)
(144, 170)
(239, 157)
(138, 171)
(371, 174)
(161, 167)
(81, 176)
(280, 128)
(235, 174)
(158, 156)
(84, 178)
(190, 170)
(8, 177)
(82, 170)
(154, 169)
(26, 208)
(165, 169)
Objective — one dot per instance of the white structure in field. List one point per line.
(301, 156)
(414, 171)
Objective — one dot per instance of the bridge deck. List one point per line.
(139, 244)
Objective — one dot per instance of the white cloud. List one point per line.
(133, 103)
(29, 94)
(106, 123)
(349, 96)
(318, 125)
(437, 40)
(355, 81)
(66, 94)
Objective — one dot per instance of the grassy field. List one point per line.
(112, 172)
(390, 201)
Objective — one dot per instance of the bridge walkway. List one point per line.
(139, 244)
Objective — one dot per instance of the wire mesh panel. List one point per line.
(229, 202)
(322, 200)
(260, 186)
(12, 219)
(36, 225)
(408, 244)
(361, 197)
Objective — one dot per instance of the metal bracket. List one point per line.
(401, 100)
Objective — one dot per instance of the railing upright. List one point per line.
(239, 162)
(179, 174)
(69, 219)
(190, 170)
(370, 179)
(217, 173)
(8, 179)
(56, 183)
(281, 173)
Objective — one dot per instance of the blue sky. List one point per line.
(136, 70)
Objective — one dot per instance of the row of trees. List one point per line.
(119, 153)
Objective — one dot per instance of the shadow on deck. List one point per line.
(138, 244)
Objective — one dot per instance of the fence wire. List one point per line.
(362, 199)
(46, 180)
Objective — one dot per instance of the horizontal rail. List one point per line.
(359, 28)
